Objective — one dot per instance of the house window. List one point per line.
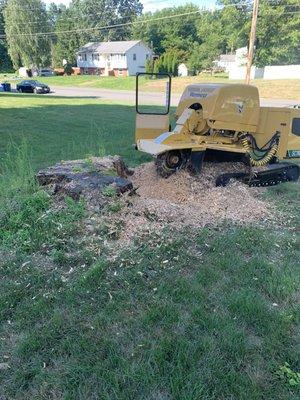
(95, 57)
(82, 57)
(134, 57)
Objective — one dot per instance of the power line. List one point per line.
(108, 26)
(200, 10)
(138, 22)
(151, 2)
(44, 7)
(112, 26)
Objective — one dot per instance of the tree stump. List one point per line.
(82, 177)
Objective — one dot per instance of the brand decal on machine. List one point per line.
(197, 94)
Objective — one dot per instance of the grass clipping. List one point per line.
(185, 200)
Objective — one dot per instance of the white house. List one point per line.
(113, 58)
(225, 61)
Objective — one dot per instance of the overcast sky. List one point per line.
(152, 5)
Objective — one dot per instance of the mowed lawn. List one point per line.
(206, 314)
(59, 128)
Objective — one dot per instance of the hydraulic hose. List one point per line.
(267, 155)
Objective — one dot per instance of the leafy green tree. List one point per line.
(278, 33)
(233, 22)
(66, 44)
(23, 20)
(166, 63)
(54, 12)
(220, 31)
(68, 70)
(197, 38)
(174, 34)
(93, 14)
(175, 64)
(86, 18)
(149, 66)
(5, 63)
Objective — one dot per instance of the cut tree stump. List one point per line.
(82, 177)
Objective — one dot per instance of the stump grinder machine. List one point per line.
(221, 122)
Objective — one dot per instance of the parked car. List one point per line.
(46, 72)
(31, 86)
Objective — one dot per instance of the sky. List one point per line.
(152, 5)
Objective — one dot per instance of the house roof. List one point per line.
(109, 47)
(227, 57)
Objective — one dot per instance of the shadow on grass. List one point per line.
(56, 130)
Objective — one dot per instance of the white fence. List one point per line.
(236, 72)
(282, 72)
(268, 72)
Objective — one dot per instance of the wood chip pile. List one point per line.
(152, 202)
(184, 200)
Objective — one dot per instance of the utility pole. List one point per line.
(252, 40)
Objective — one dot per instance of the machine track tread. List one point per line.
(273, 175)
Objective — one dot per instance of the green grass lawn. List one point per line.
(108, 82)
(208, 314)
(59, 128)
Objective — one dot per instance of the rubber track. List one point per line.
(275, 174)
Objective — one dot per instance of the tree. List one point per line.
(24, 20)
(173, 34)
(66, 44)
(5, 63)
(54, 12)
(278, 33)
(220, 31)
(87, 19)
(93, 14)
(197, 36)
(166, 63)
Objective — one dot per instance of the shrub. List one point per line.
(68, 69)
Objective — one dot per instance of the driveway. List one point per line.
(128, 96)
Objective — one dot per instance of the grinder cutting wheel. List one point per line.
(222, 122)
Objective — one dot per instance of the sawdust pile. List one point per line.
(185, 200)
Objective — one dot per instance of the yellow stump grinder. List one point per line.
(221, 122)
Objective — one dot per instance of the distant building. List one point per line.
(183, 70)
(113, 58)
(225, 61)
(238, 69)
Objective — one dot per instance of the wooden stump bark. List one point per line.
(80, 177)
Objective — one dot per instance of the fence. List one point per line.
(268, 72)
